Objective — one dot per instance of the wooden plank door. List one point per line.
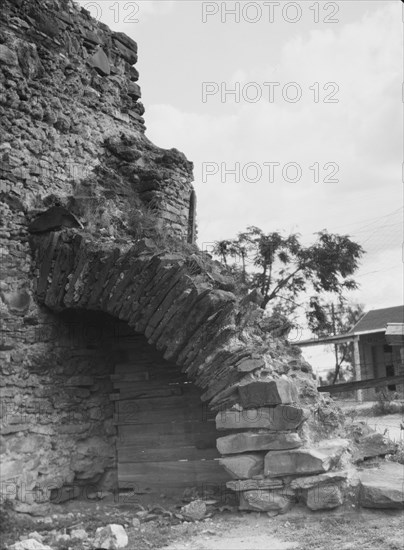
(166, 435)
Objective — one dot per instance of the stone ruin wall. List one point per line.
(74, 136)
(72, 121)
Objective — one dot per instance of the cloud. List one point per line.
(361, 133)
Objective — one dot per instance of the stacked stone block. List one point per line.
(271, 466)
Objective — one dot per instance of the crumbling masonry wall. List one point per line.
(72, 125)
(74, 137)
(72, 134)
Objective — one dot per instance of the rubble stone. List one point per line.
(111, 537)
(7, 56)
(194, 511)
(382, 487)
(266, 501)
(323, 497)
(29, 544)
(100, 62)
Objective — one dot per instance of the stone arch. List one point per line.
(135, 421)
(185, 310)
(156, 297)
(157, 294)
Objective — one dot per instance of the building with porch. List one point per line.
(378, 340)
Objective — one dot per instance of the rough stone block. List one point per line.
(257, 441)
(305, 461)
(271, 392)
(100, 62)
(323, 497)
(124, 39)
(111, 537)
(328, 478)
(251, 364)
(194, 511)
(7, 56)
(265, 501)
(279, 418)
(382, 487)
(300, 461)
(243, 466)
(29, 544)
(372, 445)
(134, 90)
(17, 301)
(128, 54)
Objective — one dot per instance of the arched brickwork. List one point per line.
(221, 342)
(175, 300)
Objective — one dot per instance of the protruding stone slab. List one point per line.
(100, 62)
(266, 501)
(52, 219)
(257, 441)
(270, 392)
(300, 461)
(279, 418)
(243, 466)
(382, 487)
(328, 478)
(134, 90)
(315, 460)
(372, 445)
(129, 54)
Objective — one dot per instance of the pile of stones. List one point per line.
(271, 466)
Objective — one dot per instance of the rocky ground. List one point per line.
(144, 527)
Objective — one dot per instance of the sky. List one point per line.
(291, 113)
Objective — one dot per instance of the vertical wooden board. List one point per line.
(166, 439)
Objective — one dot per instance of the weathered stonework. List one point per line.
(97, 234)
(72, 123)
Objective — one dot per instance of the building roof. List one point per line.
(376, 320)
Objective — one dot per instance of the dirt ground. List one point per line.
(364, 530)
(345, 528)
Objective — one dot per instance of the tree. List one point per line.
(340, 318)
(282, 268)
